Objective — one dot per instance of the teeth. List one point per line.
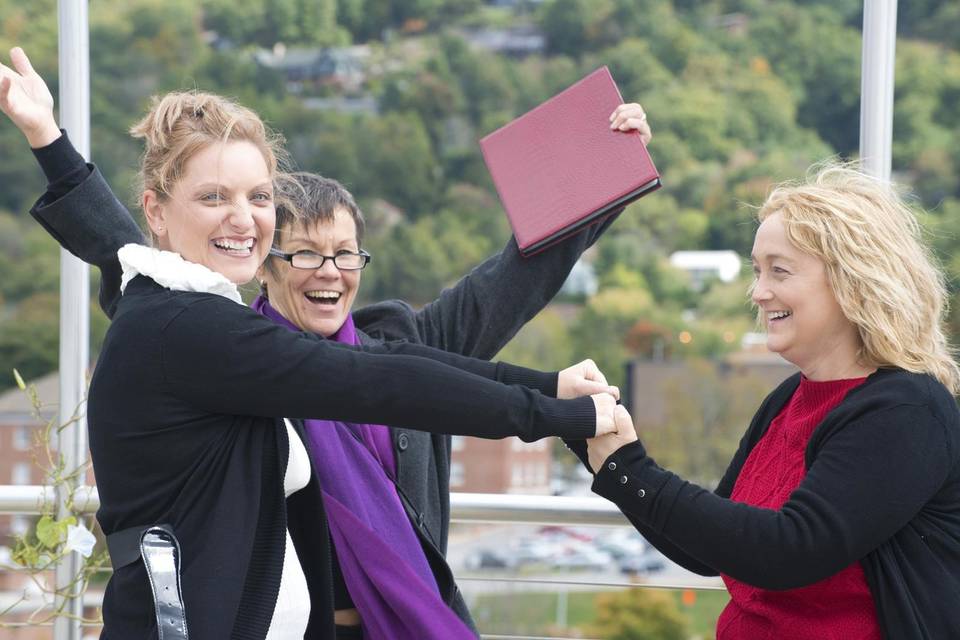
(235, 245)
(776, 315)
(323, 295)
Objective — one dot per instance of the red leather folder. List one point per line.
(560, 167)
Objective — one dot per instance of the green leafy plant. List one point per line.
(56, 533)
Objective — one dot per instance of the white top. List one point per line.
(292, 612)
(170, 270)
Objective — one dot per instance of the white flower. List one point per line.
(80, 539)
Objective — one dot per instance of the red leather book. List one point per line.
(559, 167)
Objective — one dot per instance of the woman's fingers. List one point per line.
(592, 372)
(631, 117)
(21, 62)
(7, 79)
(6, 85)
(624, 422)
(605, 406)
(7, 72)
(627, 108)
(625, 112)
(26, 100)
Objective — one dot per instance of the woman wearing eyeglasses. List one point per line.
(309, 282)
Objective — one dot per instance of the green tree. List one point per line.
(639, 614)
(826, 77)
(29, 338)
(708, 408)
(399, 162)
(600, 330)
(543, 343)
(565, 23)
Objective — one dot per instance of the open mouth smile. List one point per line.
(323, 297)
(236, 247)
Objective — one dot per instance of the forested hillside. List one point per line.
(740, 94)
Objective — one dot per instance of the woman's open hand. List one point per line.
(26, 100)
(631, 117)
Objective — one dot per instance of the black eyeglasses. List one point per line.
(344, 261)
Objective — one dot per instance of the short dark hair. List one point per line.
(310, 199)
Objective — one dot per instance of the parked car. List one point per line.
(557, 532)
(649, 562)
(531, 552)
(585, 559)
(622, 543)
(488, 559)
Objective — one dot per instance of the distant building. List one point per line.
(647, 380)
(500, 466)
(19, 429)
(517, 42)
(706, 265)
(344, 104)
(314, 67)
(582, 280)
(755, 359)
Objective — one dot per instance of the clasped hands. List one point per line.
(614, 424)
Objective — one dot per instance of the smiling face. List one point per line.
(316, 300)
(220, 213)
(804, 322)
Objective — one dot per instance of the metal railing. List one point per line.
(465, 508)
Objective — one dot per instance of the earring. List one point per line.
(159, 228)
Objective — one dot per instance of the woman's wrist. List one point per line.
(43, 135)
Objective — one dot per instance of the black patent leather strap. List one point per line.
(161, 557)
(124, 545)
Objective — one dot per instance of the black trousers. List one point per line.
(349, 633)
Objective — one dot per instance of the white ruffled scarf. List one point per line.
(170, 270)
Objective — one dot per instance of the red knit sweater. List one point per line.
(837, 608)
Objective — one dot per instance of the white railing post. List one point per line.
(74, 300)
(876, 86)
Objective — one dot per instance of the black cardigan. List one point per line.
(184, 411)
(882, 487)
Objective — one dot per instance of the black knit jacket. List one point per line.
(184, 417)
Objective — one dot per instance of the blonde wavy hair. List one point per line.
(883, 275)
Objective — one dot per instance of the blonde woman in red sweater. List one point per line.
(839, 516)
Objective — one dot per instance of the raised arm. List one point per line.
(79, 210)
(225, 358)
(486, 308)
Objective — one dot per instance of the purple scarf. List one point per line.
(383, 564)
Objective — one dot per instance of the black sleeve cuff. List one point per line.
(543, 381)
(62, 164)
(573, 419)
(632, 480)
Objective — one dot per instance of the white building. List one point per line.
(706, 265)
